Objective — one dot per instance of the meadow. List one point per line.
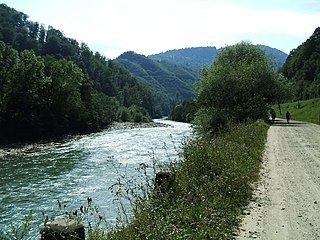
(306, 111)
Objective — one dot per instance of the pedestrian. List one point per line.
(273, 115)
(288, 116)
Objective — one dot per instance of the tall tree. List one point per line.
(240, 84)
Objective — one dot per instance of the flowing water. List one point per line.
(35, 177)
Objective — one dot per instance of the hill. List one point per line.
(198, 57)
(50, 85)
(172, 83)
(303, 69)
(193, 58)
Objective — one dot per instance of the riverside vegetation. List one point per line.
(213, 183)
(215, 176)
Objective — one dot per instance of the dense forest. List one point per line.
(51, 85)
(303, 67)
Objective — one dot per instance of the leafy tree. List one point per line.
(240, 84)
(302, 67)
(8, 67)
(25, 103)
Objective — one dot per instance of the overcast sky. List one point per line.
(153, 26)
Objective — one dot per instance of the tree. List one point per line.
(24, 104)
(240, 84)
(8, 67)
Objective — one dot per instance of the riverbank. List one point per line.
(131, 125)
(213, 184)
(113, 126)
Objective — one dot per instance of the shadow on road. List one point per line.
(283, 122)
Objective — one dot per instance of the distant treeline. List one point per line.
(51, 85)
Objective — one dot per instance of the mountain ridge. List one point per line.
(198, 57)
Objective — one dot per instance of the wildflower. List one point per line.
(174, 228)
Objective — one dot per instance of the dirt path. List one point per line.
(286, 204)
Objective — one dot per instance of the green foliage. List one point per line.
(302, 67)
(213, 183)
(305, 110)
(184, 112)
(209, 120)
(240, 84)
(43, 98)
(133, 114)
(123, 115)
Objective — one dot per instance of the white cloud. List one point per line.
(151, 26)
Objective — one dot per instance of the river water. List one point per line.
(35, 177)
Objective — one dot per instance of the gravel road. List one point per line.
(286, 203)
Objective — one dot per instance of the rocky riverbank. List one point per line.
(130, 125)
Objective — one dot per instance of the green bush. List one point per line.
(208, 121)
(133, 114)
(123, 115)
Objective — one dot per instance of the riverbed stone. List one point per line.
(62, 229)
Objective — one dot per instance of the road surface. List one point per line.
(286, 203)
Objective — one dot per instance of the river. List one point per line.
(35, 177)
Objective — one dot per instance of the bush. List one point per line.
(208, 121)
(133, 114)
(123, 115)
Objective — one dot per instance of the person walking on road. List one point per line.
(288, 116)
(273, 115)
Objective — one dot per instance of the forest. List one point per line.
(51, 85)
(302, 67)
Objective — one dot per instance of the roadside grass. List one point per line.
(213, 183)
(306, 111)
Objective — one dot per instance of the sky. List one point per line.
(147, 27)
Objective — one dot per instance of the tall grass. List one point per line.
(213, 183)
(306, 111)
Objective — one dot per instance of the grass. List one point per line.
(306, 111)
(213, 184)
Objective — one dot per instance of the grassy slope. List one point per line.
(306, 111)
(213, 183)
